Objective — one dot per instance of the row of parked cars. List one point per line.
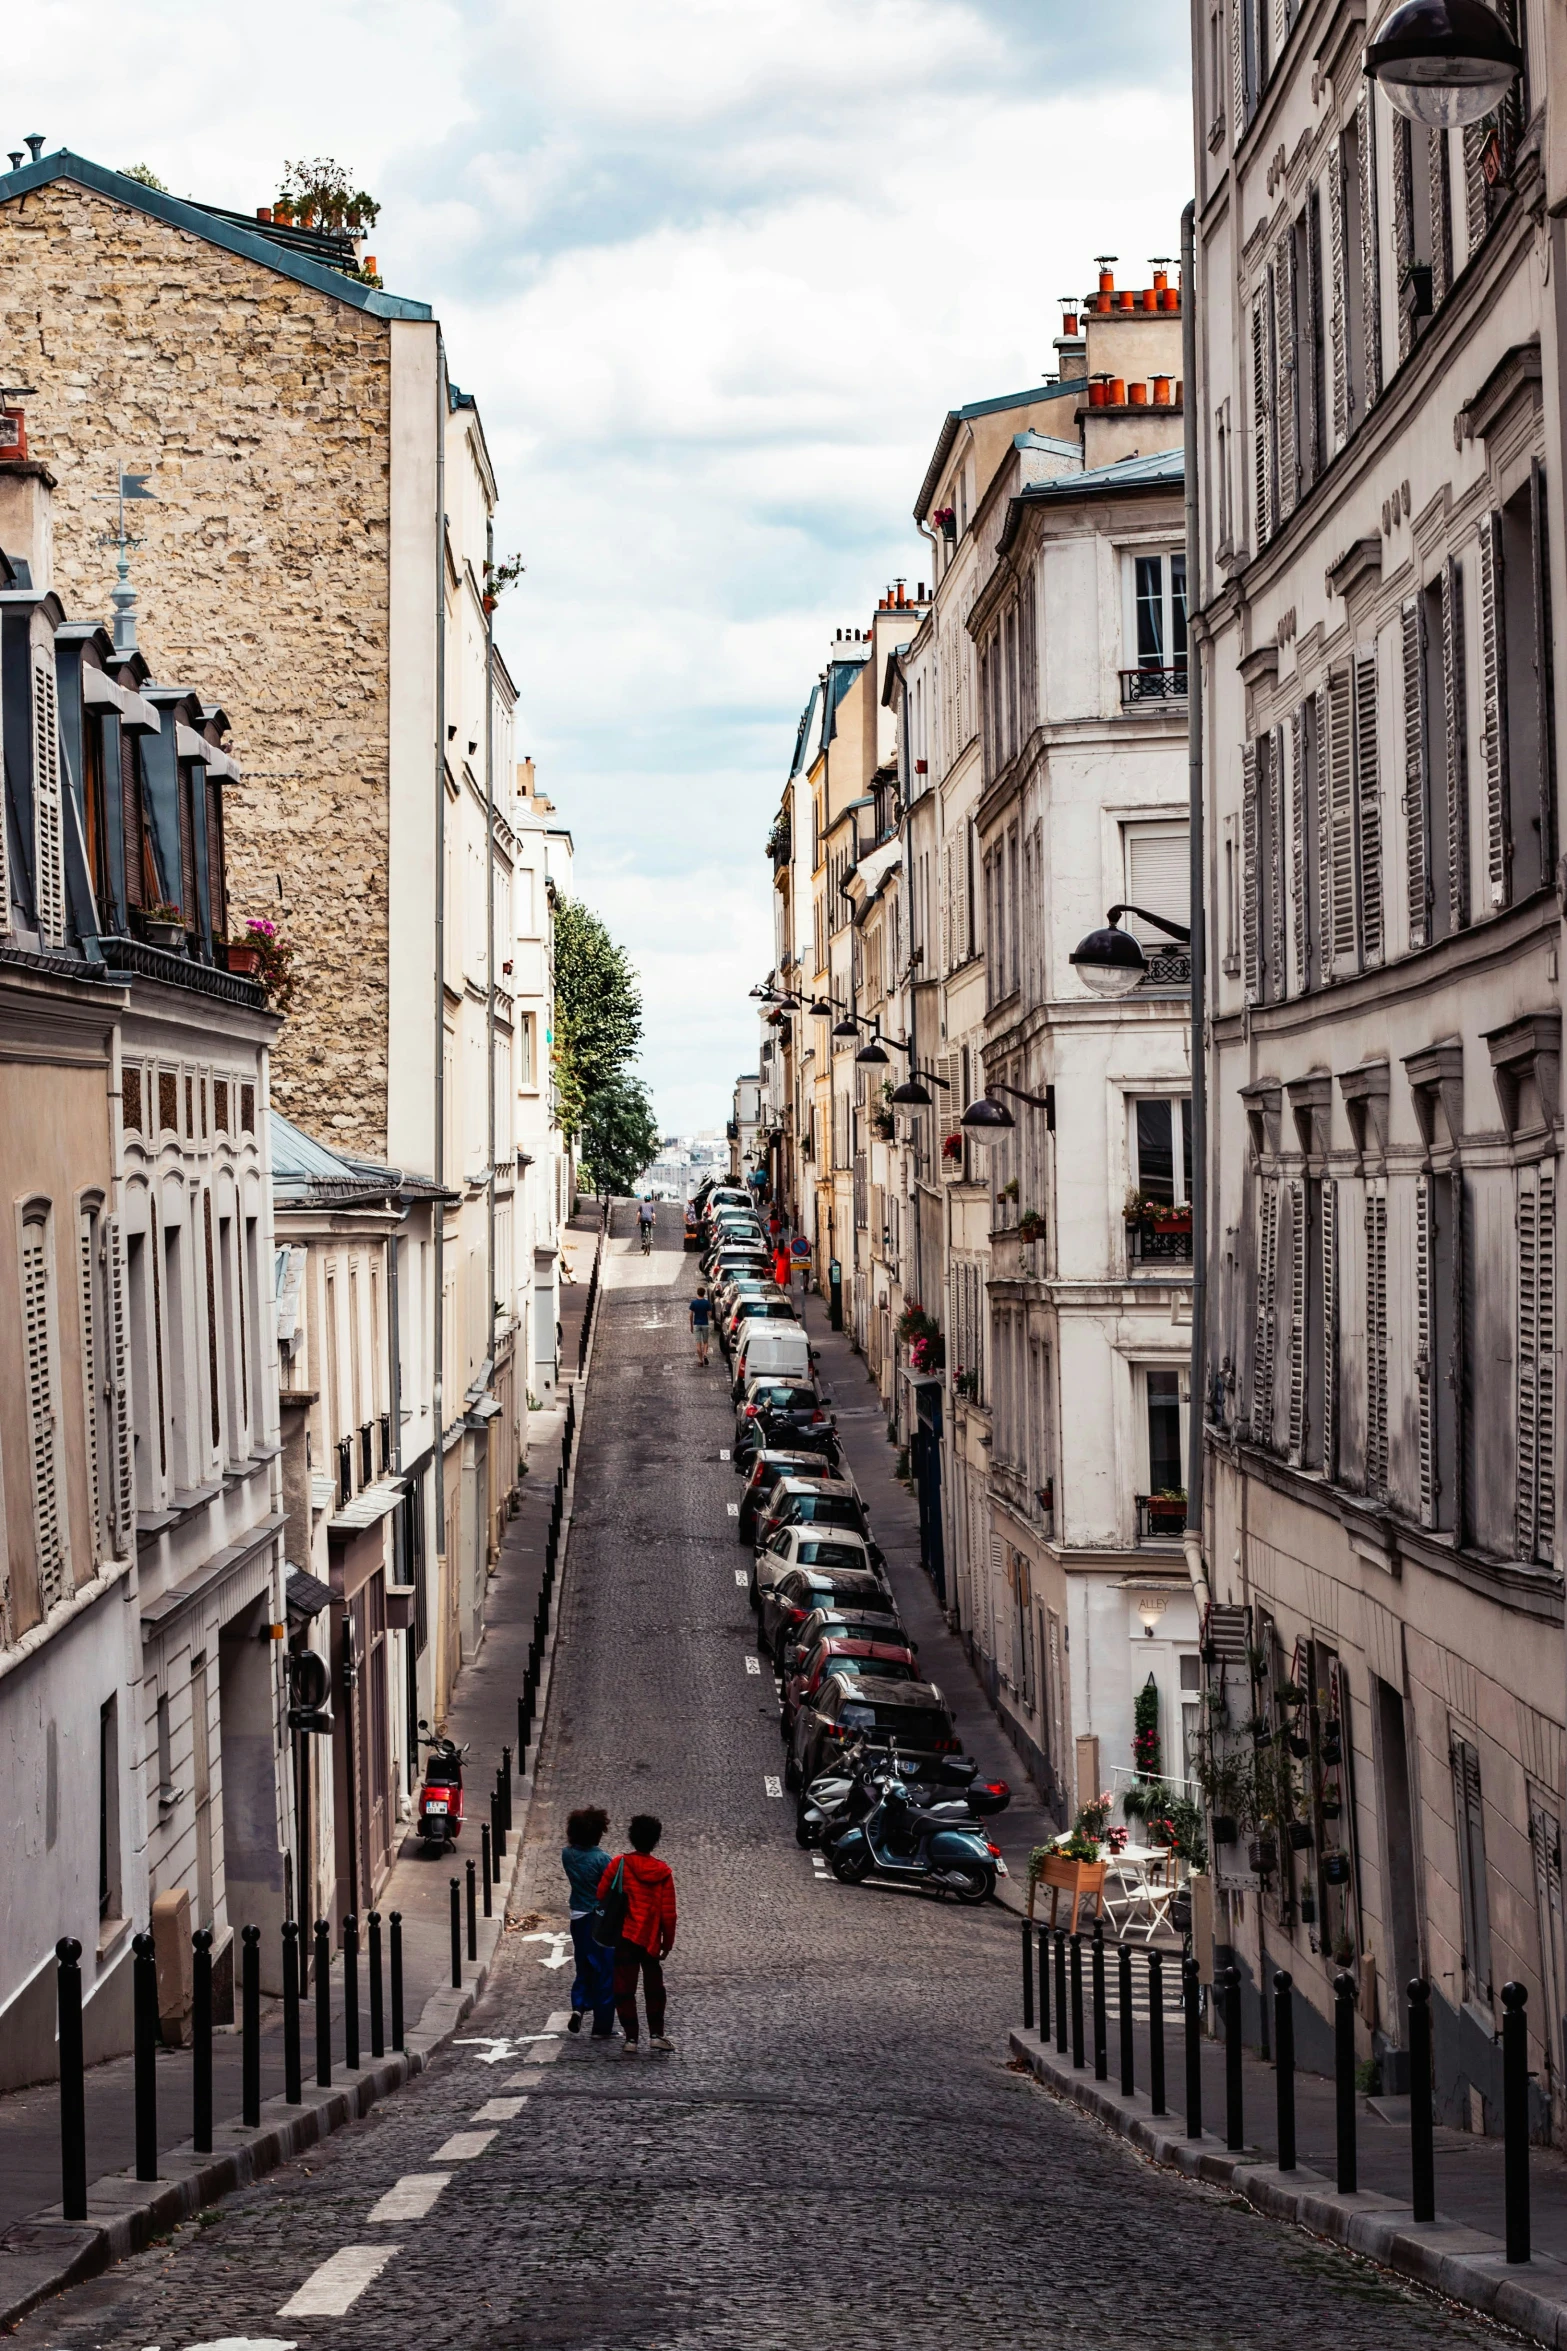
(850, 1683)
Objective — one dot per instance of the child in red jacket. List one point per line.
(648, 1935)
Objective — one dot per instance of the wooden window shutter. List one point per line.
(1287, 433)
(1340, 924)
(1457, 742)
(1329, 1331)
(1455, 1370)
(48, 817)
(1403, 229)
(1261, 421)
(1544, 698)
(1528, 1363)
(92, 1379)
(1376, 1343)
(1370, 251)
(122, 1442)
(214, 1399)
(1237, 72)
(1299, 851)
(1493, 714)
(1276, 968)
(1338, 325)
(1417, 792)
(49, 1535)
(1267, 1312)
(1324, 841)
(1441, 217)
(1474, 1904)
(1250, 941)
(1545, 1376)
(1425, 1369)
(1477, 196)
(1368, 802)
(1297, 1336)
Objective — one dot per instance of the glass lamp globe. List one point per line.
(1110, 962)
(1445, 63)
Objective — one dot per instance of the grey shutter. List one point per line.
(1493, 714)
(1477, 207)
(1299, 852)
(122, 1441)
(1475, 1900)
(92, 1396)
(1454, 1370)
(48, 816)
(1237, 74)
(1370, 253)
(1297, 1337)
(1368, 803)
(1324, 842)
(1286, 392)
(1329, 1330)
(1340, 797)
(1337, 321)
(1275, 970)
(1457, 742)
(1267, 1312)
(1250, 949)
(1545, 1376)
(1417, 794)
(1545, 718)
(1527, 1368)
(1261, 423)
(1425, 1370)
(1403, 229)
(1441, 218)
(1376, 1343)
(43, 1417)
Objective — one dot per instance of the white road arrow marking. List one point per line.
(560, 1945)
(741, 1577)
(753, 1665)
(723, 1452)
(502, 2051)
(329, 2290)
(240, 2343)
(733, 1509)
(773, 1786)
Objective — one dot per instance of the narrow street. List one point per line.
(836, 2152)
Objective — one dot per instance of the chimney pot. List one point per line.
(15, 157)
(1117, 393)
(1127, 299)
(1069, 323)
(34, 143)
(264, 212)
(1137, 395)
(1150, 297)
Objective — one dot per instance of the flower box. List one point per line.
(164, 934)
(1166, 1518)
(1171, 1220)
(244, 960)
(1079, 1879)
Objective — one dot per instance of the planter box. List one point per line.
(245, 960)
(165, 934)
(1076, 1878)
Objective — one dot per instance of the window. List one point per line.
(1162, 1148)
(1158, 876)
(109, 1898)
(1158, 625)
(1191, 1712)
(1515, 693)
(1166, 1402)
(1536, 1363)
(41, 1352)
(1473, 1891)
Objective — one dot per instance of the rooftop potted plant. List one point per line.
(1031, 1225)
(1167, 1511)
(164, 926)
(274, 965)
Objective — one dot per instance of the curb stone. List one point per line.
(1461, 2263)
(45, 2254)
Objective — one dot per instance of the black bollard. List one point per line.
(1028, 1976)
(144, 2011)
(73, 2099)
(1191, 2000)
(524, 1708)
(250, 2026)
(489, 1875)
(456, 1936)
(1344, 2077)
(291, 2081)
(472, 1896)
(506, 1783)
(1284, 2065)
(1101, 2027)
(397, 1979)
(1515, 2119)
(1156, 2032)
(201, 2040)
(377, 2002)
(1077, 2000)
(1044, 1988)
(351, 1994)
(1060, 1934)
(497, 1826)
(1422, 2147)
(1234, 2079)
(323, 2005)
(1128, 2073)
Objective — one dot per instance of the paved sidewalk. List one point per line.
(484, 1714)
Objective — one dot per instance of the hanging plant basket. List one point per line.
(1335, 1869)
(1262, 1855)
(1300, 1748)
(1300, 1835)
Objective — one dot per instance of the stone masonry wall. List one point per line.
(262, 410)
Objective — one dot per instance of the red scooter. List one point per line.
(440, 1798)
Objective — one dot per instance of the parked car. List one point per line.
(913, 1715)
(810, 1547)
(773, 1307)
(775, 1412)
(840, 1653)
(766, 1345)
(784, 1605)
(849, 1624)
(818, 1502)
(767, 1467)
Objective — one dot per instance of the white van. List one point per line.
(777, 1349)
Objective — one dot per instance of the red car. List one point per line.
(891, 1661)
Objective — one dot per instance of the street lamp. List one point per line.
(914, 1094)
(1111, 961)
(1445, 62)
(987, 1115)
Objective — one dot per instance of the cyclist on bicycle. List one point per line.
(646, 1213)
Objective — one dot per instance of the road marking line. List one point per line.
(753, 1665)
(531, 2080)
(462, 2147)
(411, 2197)
(499, 2110)
(329, 2290)
(723, 1452)
(741, 1577)
(559, 2022)
(545, 2052)
(733, 1509)
(773, 1786)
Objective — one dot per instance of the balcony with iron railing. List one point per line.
(1168, 967)
(1161, 1518)
(1153, 681)
(1156, 1244)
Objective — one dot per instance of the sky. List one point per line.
(714, 270)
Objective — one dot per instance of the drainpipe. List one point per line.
(489, 892)
(1197, 1378)
(438, 1384)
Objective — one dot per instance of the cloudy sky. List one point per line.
(715, 270)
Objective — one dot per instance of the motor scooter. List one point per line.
(837, 1799)
(440, 1798)
(902, 1841)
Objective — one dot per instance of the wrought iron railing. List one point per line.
(1146, 1244)
(1160, 1521)
(1168, 967)
(181, 971)
(1160, 682)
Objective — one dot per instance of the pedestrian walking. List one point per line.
(637, 1896)
(781, 1266)
(584, 1860)
(701, 1321)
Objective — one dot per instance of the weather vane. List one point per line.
(123, 596)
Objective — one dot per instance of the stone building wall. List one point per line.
(261, 409)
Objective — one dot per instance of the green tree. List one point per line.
(145, 173)
(619, 1135)
(598, 1010)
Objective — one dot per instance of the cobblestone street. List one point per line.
(836, 2153)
